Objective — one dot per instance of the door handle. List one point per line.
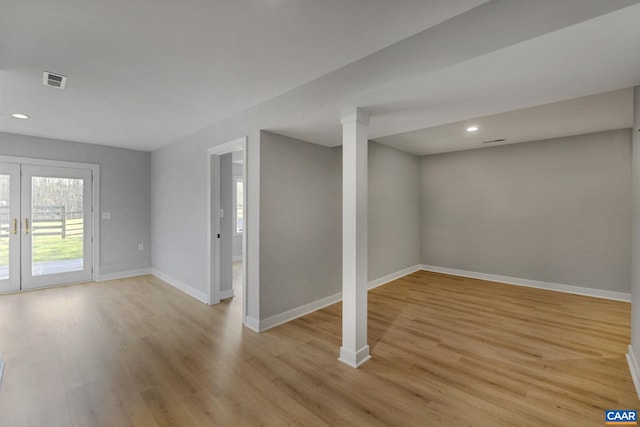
(26, 226)
(15, 225)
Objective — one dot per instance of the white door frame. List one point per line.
(95, 197)
(213, 207)
(12, 283)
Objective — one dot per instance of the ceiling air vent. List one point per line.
(494, 140)
(54, 80)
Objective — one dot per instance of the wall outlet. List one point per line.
(106, 215)
(140, 247)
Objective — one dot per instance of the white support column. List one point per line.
(354, 350)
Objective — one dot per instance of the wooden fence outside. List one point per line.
(46, 221)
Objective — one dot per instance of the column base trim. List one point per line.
(354, 359)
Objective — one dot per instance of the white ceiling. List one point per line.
(606, 111)
(144, 74)
(597, 55)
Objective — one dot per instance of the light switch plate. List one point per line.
(106, 215)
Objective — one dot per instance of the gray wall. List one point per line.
(300, 223)
(226, 222)
(179, 175)
(301, 219)
(556, 211)
(124, 191)
(394, 210)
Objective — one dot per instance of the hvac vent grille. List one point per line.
(54, 80)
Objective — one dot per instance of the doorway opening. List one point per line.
(227, 221)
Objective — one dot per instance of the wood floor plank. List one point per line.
(447, 351)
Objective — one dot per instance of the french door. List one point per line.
(45, 226)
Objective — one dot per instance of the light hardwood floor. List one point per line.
(446, 351)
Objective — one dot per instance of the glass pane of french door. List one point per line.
(9, 227)
(57, 225)
(56, 238)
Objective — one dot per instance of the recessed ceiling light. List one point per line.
(472, 128)
(19, 116)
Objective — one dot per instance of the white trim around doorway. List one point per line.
(213, 290)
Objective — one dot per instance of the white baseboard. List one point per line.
(228, 293)
(1, 369)
(252, 324)
(303, 310)
(195, 293)
(393, 276)
(123, 274)
(294, 313)
(591, 292)
(634, 368)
